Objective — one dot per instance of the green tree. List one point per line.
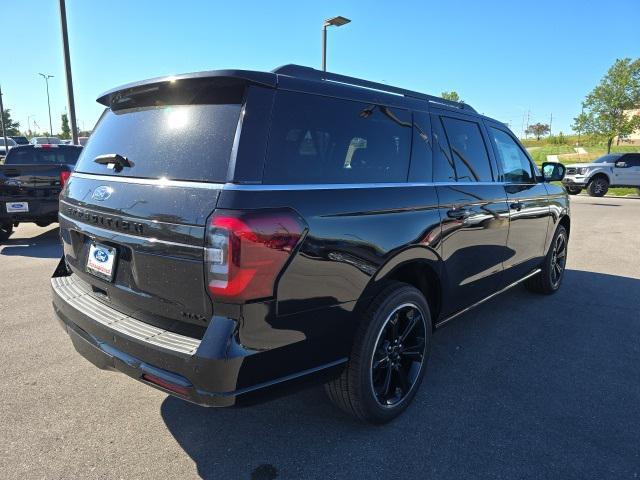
(66, 131)
(604, 108)
(538, 130)
(11, 127)
(452, 95)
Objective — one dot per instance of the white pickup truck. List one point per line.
(613, 170)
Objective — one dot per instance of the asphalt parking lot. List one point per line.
(523, 387)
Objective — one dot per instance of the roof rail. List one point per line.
(309, 73)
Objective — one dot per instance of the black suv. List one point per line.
(233, 234)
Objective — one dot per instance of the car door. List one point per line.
(630, 174)
(527, 196)
(473, 209)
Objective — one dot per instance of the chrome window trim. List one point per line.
(159, 182)
(349, 186)
(273, 187)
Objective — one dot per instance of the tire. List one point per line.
(5, 231)
(43, 223)
(548, 281)
(377, 361)
(573, 190)
(598, 187)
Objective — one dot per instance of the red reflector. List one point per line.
(172, 387)
(246, 251)
(64, 176)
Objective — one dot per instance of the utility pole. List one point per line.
(46, 80)
(550, 122)
(4, 133)
(67, 67)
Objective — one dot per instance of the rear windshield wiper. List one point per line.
(113, 160)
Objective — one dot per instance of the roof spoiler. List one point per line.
(251, 77)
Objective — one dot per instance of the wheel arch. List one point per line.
(417, 266)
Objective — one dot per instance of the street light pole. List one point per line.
(336, 22)
(4, 133)
(46, 81)
(67, 67)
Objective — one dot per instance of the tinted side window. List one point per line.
(317, 139)
(516, 166)
(633, 160)
(468, 149)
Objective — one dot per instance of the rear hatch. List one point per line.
(133, 214)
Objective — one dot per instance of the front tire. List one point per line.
(573, 190)
(548, 281)
(388, 358)
(598, 187)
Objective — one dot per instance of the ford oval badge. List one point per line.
(102, 193)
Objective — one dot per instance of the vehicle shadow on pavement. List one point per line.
(525, 386)
(45, 245)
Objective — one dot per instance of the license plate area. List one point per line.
(17, 207)
(101, 261)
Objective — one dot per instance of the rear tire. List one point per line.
(598, 187)
(548, 281)
(5, 231)
(389, 357)
(43, 224)
(573, 190)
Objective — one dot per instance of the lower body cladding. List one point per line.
(214, 371)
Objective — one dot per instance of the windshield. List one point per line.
(10, 142)
(611, 158)
(36, 155)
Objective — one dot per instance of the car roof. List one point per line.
(305, 80)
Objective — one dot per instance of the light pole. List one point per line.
(67, 67)
(46, 81)
(4, 133)
(336, 22)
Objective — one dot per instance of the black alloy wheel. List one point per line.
(398, 356)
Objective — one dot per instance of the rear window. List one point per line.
(186, 140)
(315, 139)
(55, 155)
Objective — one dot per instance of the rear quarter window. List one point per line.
(316, 139)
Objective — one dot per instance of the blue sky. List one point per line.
(504, 57)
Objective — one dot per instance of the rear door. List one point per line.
(529, 211)
(473, 208)
(149, 211)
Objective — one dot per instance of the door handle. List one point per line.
(459, 213)
(517, 206)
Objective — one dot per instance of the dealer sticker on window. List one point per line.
(101, 261)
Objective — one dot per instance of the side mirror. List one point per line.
(621, 164)
(553, 171)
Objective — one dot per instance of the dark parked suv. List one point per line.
(232, 234)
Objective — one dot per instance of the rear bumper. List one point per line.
(39, 209)
(212, 371)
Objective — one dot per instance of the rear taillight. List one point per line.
(246, 251)
(64, 176)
